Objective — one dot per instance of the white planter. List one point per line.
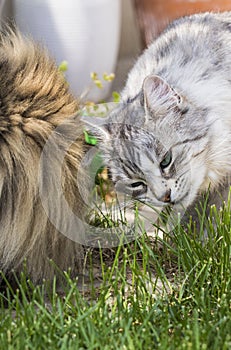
(2, 2)
(85, 33)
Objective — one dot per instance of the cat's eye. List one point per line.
(138, 188)
(166, 160)
(137, 184)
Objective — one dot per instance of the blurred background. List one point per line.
(101, 36)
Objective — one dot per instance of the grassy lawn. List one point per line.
(170, 293)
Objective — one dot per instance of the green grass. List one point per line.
(173, 293)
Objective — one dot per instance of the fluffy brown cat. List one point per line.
(34, 101)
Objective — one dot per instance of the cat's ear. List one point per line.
(96, 126)
(159, 96)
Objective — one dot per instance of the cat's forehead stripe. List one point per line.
(196, 138)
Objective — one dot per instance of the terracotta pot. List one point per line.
(155, 15)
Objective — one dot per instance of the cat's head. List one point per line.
(155, 145)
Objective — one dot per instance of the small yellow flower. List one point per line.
(109, 77)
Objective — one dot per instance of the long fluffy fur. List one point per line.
(34, 100)
(177, 100)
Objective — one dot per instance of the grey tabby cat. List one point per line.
(170, 138)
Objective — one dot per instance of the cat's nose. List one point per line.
(166, 198)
